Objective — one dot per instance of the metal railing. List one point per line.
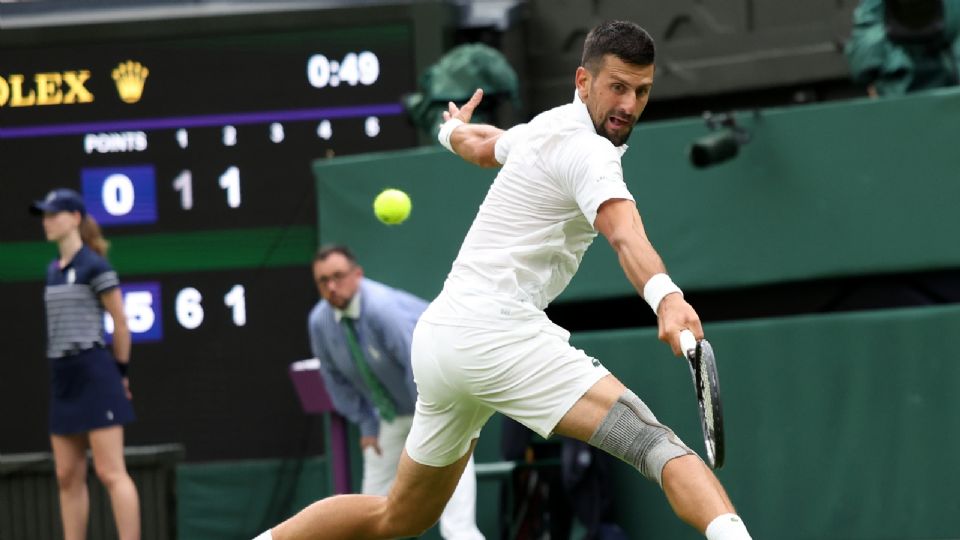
(30, 508)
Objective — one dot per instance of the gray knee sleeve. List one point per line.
(631, 432)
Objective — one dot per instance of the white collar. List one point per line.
(352, 310)
(583, 116)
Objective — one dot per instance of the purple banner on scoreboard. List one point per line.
(141, 303)
(121, 195)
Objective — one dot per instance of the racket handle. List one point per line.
(688, 342)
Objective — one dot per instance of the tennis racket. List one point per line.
(703, 367)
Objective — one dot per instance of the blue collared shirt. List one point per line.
(385, 319)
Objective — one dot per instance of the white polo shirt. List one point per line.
(536, 222)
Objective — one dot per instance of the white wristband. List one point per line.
(656, 288)
(446, 130)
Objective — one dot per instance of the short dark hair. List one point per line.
(330, 249)
(624, 39)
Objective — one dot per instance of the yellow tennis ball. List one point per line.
(392, 206)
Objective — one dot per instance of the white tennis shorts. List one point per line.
(530, 373)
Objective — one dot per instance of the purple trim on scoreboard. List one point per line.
(205, 120)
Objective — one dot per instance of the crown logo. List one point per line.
(130, 77)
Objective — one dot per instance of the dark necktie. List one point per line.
(377, 391)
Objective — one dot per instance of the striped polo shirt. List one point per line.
(72, 298)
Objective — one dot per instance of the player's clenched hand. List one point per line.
(466, 112)
(370, 442)
(675, 315)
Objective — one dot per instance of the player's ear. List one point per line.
(582, 79)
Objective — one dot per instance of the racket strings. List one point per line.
(703, 369)
(706, 394)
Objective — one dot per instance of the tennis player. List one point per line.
(90, 394)
(485, 345)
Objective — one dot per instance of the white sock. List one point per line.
(266, 535)
(727, 527)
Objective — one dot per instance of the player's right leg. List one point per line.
(541, 381)
(70, 460)
(414, 504)
(692, 489)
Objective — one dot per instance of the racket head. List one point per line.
(703, 367)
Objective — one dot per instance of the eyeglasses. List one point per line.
(336, 277)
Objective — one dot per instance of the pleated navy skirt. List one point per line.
(86, 393)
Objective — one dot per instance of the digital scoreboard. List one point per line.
(192, 145)
(177, 135)
(192, 134)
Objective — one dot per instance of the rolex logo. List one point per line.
(130, 77)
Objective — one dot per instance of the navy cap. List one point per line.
(59, 200)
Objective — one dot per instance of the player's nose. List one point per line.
(629, 103)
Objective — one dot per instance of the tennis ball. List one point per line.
(392, 206)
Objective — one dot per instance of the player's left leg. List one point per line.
(438, 447)
(107, 447)
(458, 520)
(414, 504)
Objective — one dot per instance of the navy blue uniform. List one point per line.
(86, 387)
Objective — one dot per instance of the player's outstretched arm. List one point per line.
(475, 143)
(619, 221)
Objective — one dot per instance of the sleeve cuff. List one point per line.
(370, 427)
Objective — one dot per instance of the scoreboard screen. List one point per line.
(192, 133)
(192, 145)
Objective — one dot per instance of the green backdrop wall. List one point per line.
(837, 189)
(838, 427)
